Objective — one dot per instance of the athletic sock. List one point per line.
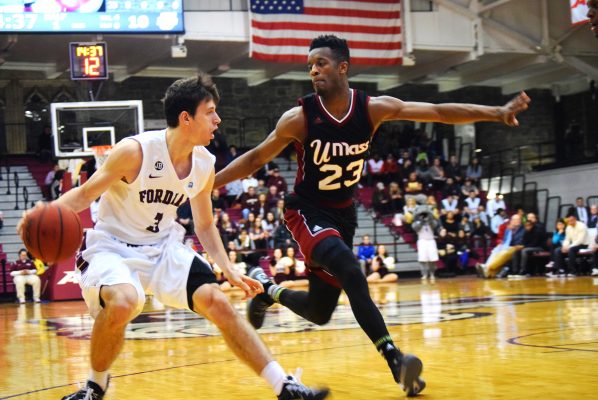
(274, 375)
(101, 378)
(274, 291)
(385, 345)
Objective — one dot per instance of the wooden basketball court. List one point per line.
(479, 339)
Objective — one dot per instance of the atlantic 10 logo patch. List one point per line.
(158, 165)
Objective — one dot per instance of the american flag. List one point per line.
(281, 30)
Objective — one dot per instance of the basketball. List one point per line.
(52, 232)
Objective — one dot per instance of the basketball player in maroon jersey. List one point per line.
(332, 129)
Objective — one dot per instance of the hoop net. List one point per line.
(100, 153)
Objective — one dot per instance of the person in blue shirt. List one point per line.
(365, 254)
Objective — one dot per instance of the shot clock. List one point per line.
(89, 61)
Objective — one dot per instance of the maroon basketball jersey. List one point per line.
(332, 157)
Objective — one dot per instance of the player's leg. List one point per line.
(335, 256)
(207, 299)
(120, 304)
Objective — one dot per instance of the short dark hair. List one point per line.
(186, 95)
(339, 47)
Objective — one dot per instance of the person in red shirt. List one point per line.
(24, 273)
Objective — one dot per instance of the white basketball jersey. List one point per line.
(144, 211)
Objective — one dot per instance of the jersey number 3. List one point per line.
(333, 181)
(154, 228)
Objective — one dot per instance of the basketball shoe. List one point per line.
(293, 389)
(256, 307)
(91, 391)
(406, 370)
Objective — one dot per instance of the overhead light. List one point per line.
(478, 150)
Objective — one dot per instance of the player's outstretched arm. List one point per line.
(386, 108)
(205, 229)
(289, 127)
(124, 162)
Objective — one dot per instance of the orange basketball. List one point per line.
(52, 232)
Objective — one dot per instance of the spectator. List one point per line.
(423, 173)
(295, 268)
(451, 188)
(397, 202)
(391, 169)
(593, 220)
(576, 239)
(472, 204)
(268, 225)
(433, 206)
(465, 225)
(282, 237)
(437, 173)
(261, 187)
(185, 217)
(227, 228)
(483, 215)
(468, 187)
(273, 196)
(405, 171)
(380, 199)
(474, 170)
(248, 182)
(424, 224)
(479, 228)
(534, 240)
(503, 253)
(450, 203)
(1, 220)
(499, 218)
(56, 185)
(447, 251)
(375, 168)
(404, 157)
(262, 205)
(247, 223)
(409, 210)
(365, 253)
(278, 181)
(415, 189)
(24, 273)
(278, 211)
(580, 210)
(277, 269)
(464, 252)
(595, 257)
(558, 237)
(234, 191)
(49, 179)
(381, 264)
(232, 154)
(266, 171)
(217, 202)
(249, 202)
(243, 242)
(257, 234)
(450, 223)
(493, 205)
(453, 169)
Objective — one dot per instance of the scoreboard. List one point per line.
(89, 61)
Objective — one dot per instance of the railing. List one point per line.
(16, 179)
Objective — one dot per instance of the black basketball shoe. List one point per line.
(293, 389)
(91, 391)
(406, 370)
(256, 307)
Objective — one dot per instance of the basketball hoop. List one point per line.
(100, 153)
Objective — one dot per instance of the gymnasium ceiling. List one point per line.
(526, 44)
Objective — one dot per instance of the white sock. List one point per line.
(274, 375)
(101, 378)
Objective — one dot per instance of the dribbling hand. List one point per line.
(25, 214)
(251, 287)
(510, 110)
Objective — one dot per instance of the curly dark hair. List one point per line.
(339, 47)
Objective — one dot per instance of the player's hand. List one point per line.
(39, 204)
(251, 287)
(510, 110)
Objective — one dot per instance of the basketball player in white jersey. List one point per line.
(136, 246)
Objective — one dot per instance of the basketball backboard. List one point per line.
(77, 127)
